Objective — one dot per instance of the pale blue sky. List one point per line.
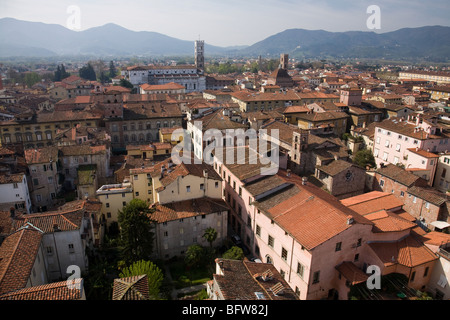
(232, 22)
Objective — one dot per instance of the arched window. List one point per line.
(269, 259)
(133, 138)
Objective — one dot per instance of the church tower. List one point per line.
(284, 61)
(200, 55)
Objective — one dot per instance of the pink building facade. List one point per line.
(395, 138)
(307, 263)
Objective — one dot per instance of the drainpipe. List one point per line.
(292, 256)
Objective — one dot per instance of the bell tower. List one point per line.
(200, 55)
(284, 61)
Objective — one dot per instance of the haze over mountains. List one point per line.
(34, 39)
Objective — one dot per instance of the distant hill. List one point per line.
(23, 38)
(35, 39)
(428, 43)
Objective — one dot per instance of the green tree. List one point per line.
(194, 256)
(136, 236)
(234, 253)
(60, 73)
(112, 70)
(31, 78)
(210, 235)
(154, 275)
(364, 158)
(87, 72)
(126, 84)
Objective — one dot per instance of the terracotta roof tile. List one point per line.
(300, 209)
(408, 252)
(131, 288)
(187, 209)
(241, 281)
(373, 202)
(352, 273)
(400, 175)
(17, 256)
(63, 290)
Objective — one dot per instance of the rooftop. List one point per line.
(244, 280)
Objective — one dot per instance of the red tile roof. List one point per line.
(241, 280)
(63, 290)
(186, 209)
(372, 202)
(131, 288)
(305, 208)
(408, 252)
(17, 256)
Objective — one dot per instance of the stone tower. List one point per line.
(200, 55)
(284, 61)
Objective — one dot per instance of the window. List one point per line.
(124, 203)
(108, 214)
(316, 277)
(49, 250)
(396, 160)
(387, 143)
(202, 186)
(300, 269)
(270, 241)
(356, 257)
(402, 194)
(284, 254)
(217, 184)
(381, 183)
(398, 147)
(427, 205)
(338, 246)
(376, 152)
(188, 188)
(107, 204)
(36, 181)
(15, 185)
(378, 140)
(258, 230)
(385, 156)
(413, 275)
(71, 248)
(358, 243)
(414, 199)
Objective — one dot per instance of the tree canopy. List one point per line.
(136, 234)
(210, 235)
(364, 158)
(87, 72)
(234, 253)
(60, 73)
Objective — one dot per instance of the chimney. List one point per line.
(304, 181)
(349, 220)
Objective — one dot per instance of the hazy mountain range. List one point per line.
(34, 39)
